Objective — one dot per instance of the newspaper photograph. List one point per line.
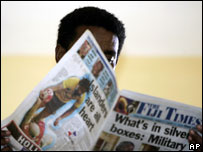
(78, 107)
(140, 122)
(68, 108)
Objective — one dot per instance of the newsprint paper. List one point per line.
(78, 106)
(140, 122)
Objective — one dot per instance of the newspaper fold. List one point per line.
(78, 106)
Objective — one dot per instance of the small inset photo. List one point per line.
(97, 68)
(126, 106)
(125, 146)
(147, 147)
(108, 88)
(84, 49)
(106, 142)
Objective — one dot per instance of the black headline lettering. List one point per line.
(156, 128)
(87, 120)
(125, 133)
(173, 131)
(125, 120)
(99, 99)
(167, 142)
(90, 104)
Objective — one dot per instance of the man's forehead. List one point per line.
(101, 34)
(96, 30)
(108, 41)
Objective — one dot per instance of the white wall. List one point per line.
(153, 28)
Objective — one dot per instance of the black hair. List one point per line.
(123, 145)
(85, 83)
(89, 16)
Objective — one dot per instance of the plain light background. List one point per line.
(162, 54)
(152, 28)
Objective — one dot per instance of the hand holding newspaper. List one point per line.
(78, 106)
(145, 123)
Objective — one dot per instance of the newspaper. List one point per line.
(68, 108)
(78, 107)
(140, 122)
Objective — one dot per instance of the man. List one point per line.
(121, 106)
(84, 49)
(125, 146)
(71, 89)
(97, 68)
(52, 98)
(109, 33)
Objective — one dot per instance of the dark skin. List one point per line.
(5, 140)
(194, 138)
(106, 39)
(63, 95)
(109, 45)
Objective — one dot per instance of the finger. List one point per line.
(196, 137)
(5, 133)
(7, 148)
(191, 141)
(56, 123)
(199, 128)
(4, 141)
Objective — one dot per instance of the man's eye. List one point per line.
(111, 59)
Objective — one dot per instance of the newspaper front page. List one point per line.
(140, 122)
(77, 107)
(68, 108)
